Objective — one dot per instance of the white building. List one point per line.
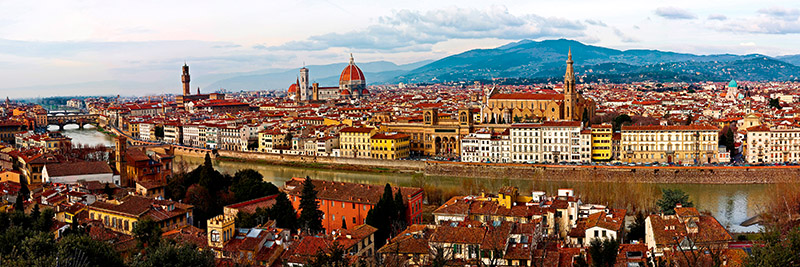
(73, 172)
(485, 146)
(551, 141)
(780, 143)
(147, 131)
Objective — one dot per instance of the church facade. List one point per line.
(352, 85)
(507, 108)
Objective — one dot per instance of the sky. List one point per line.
(86, 47)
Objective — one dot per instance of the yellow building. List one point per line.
(271, 139)
(354, 142)
(692, 144)
(601, 142)
(437, 134)
(389, 146)
(122, 215)
(220, 229)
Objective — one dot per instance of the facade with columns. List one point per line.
(506, 108)
(352, 85)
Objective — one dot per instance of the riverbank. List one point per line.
(316, 165)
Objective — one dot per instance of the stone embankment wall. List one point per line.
(376, 163)
(700, 175)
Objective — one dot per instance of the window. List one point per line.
(596, 233)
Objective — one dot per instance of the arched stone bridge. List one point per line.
(78, 119)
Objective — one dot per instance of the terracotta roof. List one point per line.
(458, 234)
(527, 96)
(348, 192)
(670, 128)
(77, 168)
(356, 130)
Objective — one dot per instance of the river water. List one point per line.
(730, 204)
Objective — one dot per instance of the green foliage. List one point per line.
(779, 249)
(249, 184)
(27, 241)
(310, 215)
(159, 131)
(250, 220)
(203, 187)
(637, 229)
(147, 233)
(604, 253)
(388, 216)
(19, 203)
(283, 213)
(618, 121)
(330, 257)
(775, 103)
(670, 198)
(108, 191)
(82, 250)
(175, 255)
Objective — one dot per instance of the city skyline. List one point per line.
(127, 47)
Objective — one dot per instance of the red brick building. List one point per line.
(351, 201)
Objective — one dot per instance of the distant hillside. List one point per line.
(326, 75)
(545, 60)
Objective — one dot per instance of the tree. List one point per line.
(19, 203)
(178, 255)
(82, 250)
(399, 222)
(283, 213)
(344, 223)
(332, 256)
(159, 132)
(775, 103)
(604, 252)
(147, 233)
(637, 228)
(108, 191)
(249, 220)
(672, 197)
(249, 184)
(618, 121)
(310, 215)
(777, 249)
(383, 216)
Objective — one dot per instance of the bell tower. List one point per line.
(221, 229)
(185, 79)
(570, 95)
(305, 94)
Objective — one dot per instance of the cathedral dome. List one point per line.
(351, 73)
(293, 88)
(732, 84)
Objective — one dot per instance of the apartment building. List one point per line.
(693, 144)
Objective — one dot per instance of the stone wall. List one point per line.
(377, 163)
(718, 175)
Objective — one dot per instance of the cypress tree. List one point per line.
(400, 208)
(310, 215)
(19, 205)
(283, 213)
(344, 223)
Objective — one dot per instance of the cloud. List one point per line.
(624, 37)
(717, 17)
(408, 30)
(595, 22)
(788, 14)
(674, 13)
(773, 20)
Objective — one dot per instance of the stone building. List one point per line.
(694, 144)
(506, 108)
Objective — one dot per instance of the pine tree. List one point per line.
(19, 205)
(400, 209)
(310, 215)
(344, 223)
(283, 213)
(23, 188)
(383, 216)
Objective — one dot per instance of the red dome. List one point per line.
(345, 92)
(351, 73)
(364, 92)
(293, 88)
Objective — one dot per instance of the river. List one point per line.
(730, 204)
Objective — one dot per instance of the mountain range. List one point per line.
(544, 61)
